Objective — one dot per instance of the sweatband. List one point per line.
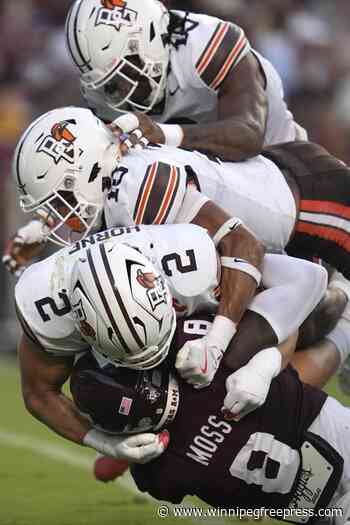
(127, 122)
(173, 134)
(230, 225)
(222, 331)
(241, 265)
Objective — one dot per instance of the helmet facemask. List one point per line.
(133, 82)
(70, 218)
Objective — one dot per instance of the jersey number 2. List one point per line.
(181, 267)
(50, 304)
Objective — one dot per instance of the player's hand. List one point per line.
(198, 361)
(140, 448)
(246, 391)
(27, 243)
(136, 130)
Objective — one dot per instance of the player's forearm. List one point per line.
(238, 287)
(232, 140)
(58, 413)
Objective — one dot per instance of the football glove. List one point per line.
(27, 243)
(247, 388)
(140, 448)
(198, 361)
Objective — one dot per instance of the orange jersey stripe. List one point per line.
(229, 62)
(324, 207)
(146, 193)
(201, 67)
(340, 237)
(167, 197)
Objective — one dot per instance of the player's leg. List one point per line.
(319, 358)
(317, 363)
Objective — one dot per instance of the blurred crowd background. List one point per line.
(306, 40)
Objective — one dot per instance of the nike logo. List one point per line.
(235, 259)
(204, 369)
(172, 93)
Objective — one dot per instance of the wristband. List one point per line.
(173, 134)
(234, 263)
(228, 227)
(100, 442)
(222, 331)
(267, 362)
(126, 123)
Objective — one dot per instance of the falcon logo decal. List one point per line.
(111, 4)
(147, 280)
(115, 13)
(60, 143)
(156, 291)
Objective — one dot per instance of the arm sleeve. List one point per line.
(191, 204)
(294, 288)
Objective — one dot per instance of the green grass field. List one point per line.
(45, 480)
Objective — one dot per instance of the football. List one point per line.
(108, 469)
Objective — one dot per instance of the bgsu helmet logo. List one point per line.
(60, 143)
(156, 291)
(147, 280)
(111, 4)
(115, 13)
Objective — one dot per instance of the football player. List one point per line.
(292, 453)
(105, 293)
(294, 195)
(179, 67)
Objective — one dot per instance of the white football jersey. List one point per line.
(149, 187)
(201, 57)
(185, 255)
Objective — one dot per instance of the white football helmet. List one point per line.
(61, 165)
(118, 46)
(122, 305)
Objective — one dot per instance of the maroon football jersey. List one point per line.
(248, 464)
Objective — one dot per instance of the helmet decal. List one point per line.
(156, 289)
(115, 13)
(111, 4)
(60, 143)
(147, 280)
(125, 406)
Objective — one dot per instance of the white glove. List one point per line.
(27, 243)
(127, 128)
(198, 360)
(247, 388)
(140, 448)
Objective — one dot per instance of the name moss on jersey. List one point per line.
(185, 255)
